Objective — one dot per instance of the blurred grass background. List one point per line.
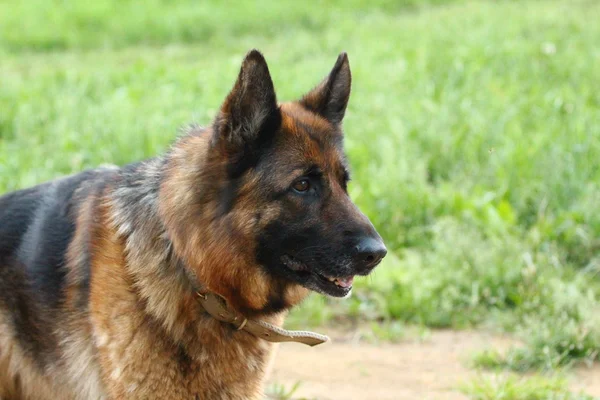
(473, 132)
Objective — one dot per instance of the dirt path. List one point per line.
(414, 369)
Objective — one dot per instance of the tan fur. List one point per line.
(19, 377)
(141, 359)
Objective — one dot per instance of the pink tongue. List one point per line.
(345, 282)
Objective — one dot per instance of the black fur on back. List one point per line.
(36, 227)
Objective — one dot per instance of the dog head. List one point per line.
(270, 194)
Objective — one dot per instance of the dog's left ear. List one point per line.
(249, 105)
(330, 98)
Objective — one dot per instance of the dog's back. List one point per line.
(36, 227)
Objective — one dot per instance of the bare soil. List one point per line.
(430, 368)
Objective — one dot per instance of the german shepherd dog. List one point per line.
(102, 273)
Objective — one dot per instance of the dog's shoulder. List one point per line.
(36, 227)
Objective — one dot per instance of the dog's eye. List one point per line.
(301, 186)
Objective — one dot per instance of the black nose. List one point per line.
(369, 252)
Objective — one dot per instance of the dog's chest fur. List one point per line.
(139, 359)
(153, 339)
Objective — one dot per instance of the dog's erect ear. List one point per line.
(250, 104)
(330, 98)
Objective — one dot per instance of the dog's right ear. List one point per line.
(250, 104)
(330, 98)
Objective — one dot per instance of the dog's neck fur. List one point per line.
(165, 285)
(154, 303)
(161, 282)
(158, 274)
(150, 259)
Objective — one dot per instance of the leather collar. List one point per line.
(217, 307)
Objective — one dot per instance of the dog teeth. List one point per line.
(342, 282)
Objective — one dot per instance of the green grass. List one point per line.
(549, 343)
(278, 391)
(53, 25)
(512, 388)
(473, 133)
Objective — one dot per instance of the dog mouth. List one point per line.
(336, 286)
